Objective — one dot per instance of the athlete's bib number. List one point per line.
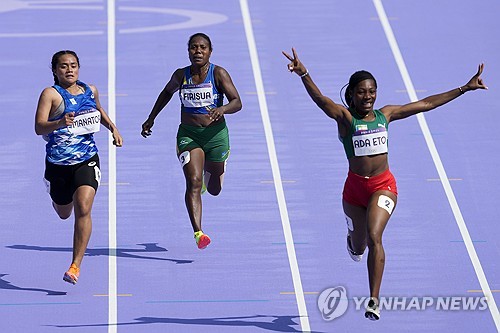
(86, 122)
(370, 142)
(197, 95)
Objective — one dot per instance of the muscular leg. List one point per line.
(377, 219)
(64, 211)
(83, 199)
(358, 231)
(214, 176)
(193, 173)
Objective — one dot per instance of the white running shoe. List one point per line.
(354, 256)
(372, 310)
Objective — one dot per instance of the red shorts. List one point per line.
(359, 189)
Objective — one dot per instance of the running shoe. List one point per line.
(202, 240)
(372, 310)
(71, 276)
(354, 256)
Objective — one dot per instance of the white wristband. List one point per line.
(305, 74)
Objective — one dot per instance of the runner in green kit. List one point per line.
(202, 137)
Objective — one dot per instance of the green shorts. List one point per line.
(214, 140)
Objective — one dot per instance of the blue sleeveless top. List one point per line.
(199, 98)
(64, 147)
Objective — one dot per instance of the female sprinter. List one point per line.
(370, 193)
(202, 137)
(67, 115)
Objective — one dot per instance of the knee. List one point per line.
(64, 215)
(214, 186)
(374, 239)
(214, 191)
(82, 213)
(193, 183)
(83, 209)
(64, 212)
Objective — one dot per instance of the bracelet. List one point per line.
(461, 90)
(305, 74)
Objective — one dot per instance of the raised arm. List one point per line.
(329, 107)
(165, 96)
(395, 112)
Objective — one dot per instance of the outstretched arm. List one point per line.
(331, 109)
(165, 96)
(395, 112)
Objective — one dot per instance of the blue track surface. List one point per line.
(243, 281)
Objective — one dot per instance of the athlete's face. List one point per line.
(199, 51)
(364, 95)
(66, 70)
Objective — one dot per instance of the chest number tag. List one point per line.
(86, 122)
(370, 142)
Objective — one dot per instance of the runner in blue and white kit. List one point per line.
(67, 115)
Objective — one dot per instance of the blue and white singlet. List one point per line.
(74, 144)
(199, 98)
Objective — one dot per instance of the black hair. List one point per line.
(55, 61)
(202, 35)
(355, 78)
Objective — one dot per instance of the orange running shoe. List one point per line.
(71, 276)
(202, 240)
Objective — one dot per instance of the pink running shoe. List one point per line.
(202, 240)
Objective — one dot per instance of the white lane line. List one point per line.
(112, 300)
(439, 165)
(292, 259)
